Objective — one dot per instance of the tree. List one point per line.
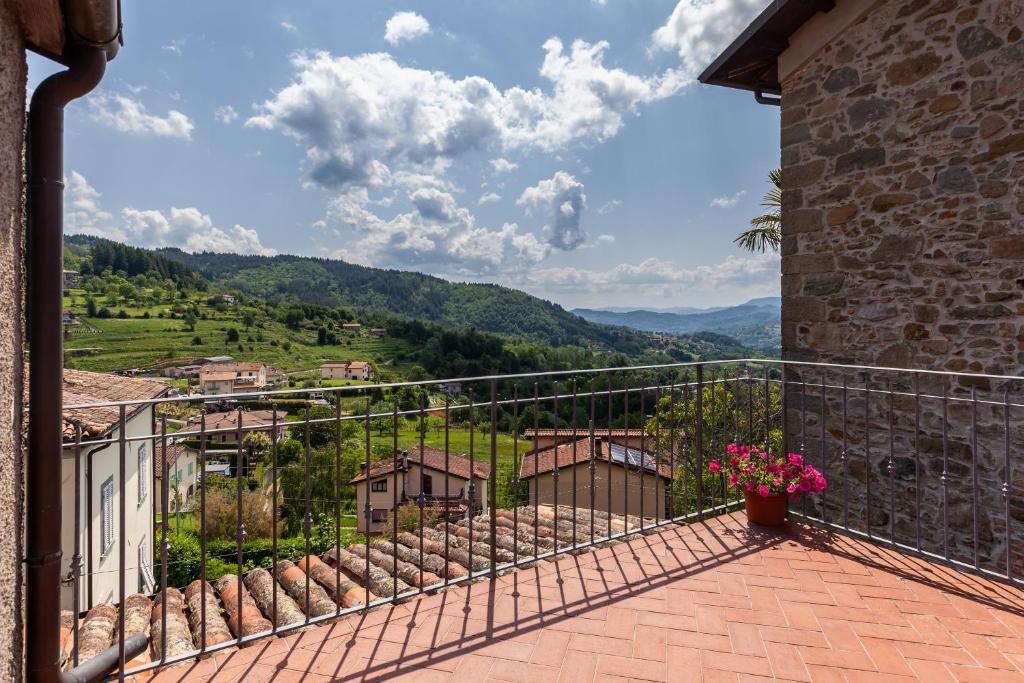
(90, 307)
(197, 341)
(190, 321)
(248, 319)
(232, 335)
(766, 230)
(258, 445)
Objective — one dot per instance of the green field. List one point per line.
(108, 344)
(458, 443)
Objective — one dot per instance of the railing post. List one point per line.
(493, 478)
(699, 429)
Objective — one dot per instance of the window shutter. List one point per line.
(143, 472)
(107, 508)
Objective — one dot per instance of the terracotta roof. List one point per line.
(217, 376)
(231, 367)
(543, 460)
(174, 451)
(96, 387)
(251, 418)
(582, 431)
(458, 465)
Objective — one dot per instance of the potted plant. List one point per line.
(766, 479)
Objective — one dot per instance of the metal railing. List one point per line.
(920, 460)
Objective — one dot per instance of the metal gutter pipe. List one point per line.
(86, 65)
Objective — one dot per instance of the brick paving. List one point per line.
(715, 601)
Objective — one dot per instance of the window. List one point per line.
(143, 472)
(147, 582)
(107, 514)
(381, 485)
(190, 469)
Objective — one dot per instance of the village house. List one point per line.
(97, 492)
(378, 331)
(350, 327)
(411, 472)
(225, 424)
(624, 480)
(69, 318)
(72, 278)
(216, 379)
(545, 438)
(353, 369)
(182, 466)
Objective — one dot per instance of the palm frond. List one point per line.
(761, 238)
(766, 230)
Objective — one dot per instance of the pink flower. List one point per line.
(732, 449)
(796, 459)
(715, 466)
(733, 479)
(735, 462)
(750, 485)
(792, 488)
(777, 481)
(763, 490)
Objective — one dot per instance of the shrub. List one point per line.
(409, 517)
(197, 341)
(222, 513)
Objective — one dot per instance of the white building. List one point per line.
(182, 465)
(217, 379)
(99, 494)
(349, 369)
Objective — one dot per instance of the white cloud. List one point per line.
(501, 165)
(187, 228)
(733, 272)
(405, 26)
(174, 46)
(225, 114)
(728, 201)
(489, 198)
(289, 27)
(82, 210)
(436, 235)
(130, 116)
(609, 206)
(359, 117)
(605, 239)
(700, 29)
(563, 196)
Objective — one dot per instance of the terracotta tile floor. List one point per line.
(714, 602)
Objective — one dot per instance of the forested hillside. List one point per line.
(490, 308)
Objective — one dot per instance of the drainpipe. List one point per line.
(46, 353)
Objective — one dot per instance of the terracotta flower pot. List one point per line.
(770, 511)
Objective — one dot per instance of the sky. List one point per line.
(563, 148)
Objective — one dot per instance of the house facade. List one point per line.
(95, 485)
(615, 482)
(182, 465)
(218, 379)
(415, 471)
(902, 157)
(353, 369)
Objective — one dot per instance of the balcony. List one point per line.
(609, 551)
(712, 601)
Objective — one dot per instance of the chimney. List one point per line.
(405, 460)
(362, 467)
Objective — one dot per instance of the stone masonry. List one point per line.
(903, 246)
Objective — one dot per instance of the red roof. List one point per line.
(581, 432)
(577, 452)
(251, 418)
(433, 458)
(82, 387)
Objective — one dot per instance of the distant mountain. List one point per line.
(755, 323)
(684, 310)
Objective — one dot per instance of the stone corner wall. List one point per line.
(12, 123)
(903, 246)
(903, 203)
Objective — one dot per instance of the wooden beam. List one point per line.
(42, 22)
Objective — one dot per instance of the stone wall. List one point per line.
(903, 157)
(12, 122)
(903, 246)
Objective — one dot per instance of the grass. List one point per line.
(458, 443)
(109, 344)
